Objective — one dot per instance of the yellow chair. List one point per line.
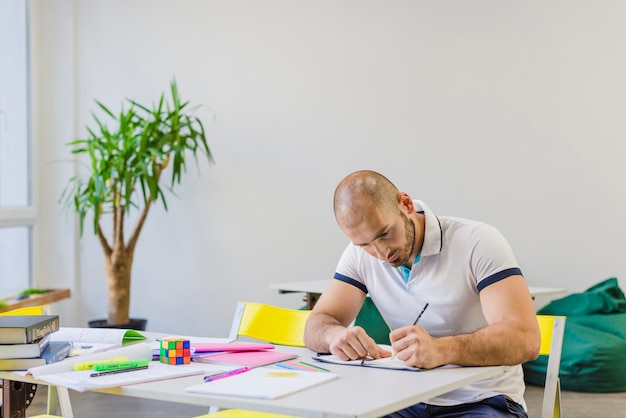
(552, 329)
(30, 310)
(267, 323)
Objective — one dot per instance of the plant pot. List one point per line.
(137, 324)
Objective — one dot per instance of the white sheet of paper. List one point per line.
(140, 351)
(82, 381)
(260, 383)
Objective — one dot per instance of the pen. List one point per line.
(367, 357)
(225, 374)
(414, 323)
(421, 313)
(131, 369)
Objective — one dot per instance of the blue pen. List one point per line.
(225, 374)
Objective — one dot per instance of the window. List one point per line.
(17, 214)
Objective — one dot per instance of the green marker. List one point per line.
(122, 365)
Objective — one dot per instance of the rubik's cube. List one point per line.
(175, 351)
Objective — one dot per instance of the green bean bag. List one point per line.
(594, 344)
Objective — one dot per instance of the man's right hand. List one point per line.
(353, 343)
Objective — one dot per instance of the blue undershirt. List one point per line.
(407, 271)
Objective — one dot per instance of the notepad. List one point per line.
(248, 359)
(381, 363)
(262, 384)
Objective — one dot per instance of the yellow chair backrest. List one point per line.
(30, 310)
(552, 329)
(269, 323)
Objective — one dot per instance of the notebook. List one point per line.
(262, 384)
(381, 363)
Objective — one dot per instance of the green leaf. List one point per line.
(126, 153)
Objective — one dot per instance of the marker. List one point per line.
(89, 365)
(122, 365)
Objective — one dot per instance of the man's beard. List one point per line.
(409, 229)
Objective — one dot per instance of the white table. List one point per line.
(359, 392)
(314, 288)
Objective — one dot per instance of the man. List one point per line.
(480, 311)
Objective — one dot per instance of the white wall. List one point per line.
(506, 112)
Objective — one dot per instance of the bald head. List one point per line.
(360, 192)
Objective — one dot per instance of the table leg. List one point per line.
(16, 396)
(53, 400)
(65, 404)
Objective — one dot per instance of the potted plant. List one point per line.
(126, 163)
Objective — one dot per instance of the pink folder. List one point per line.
(249, 359)
(230, 347)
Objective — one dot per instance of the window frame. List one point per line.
(26, 215)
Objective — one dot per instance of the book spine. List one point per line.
(57, 354)
(36, 332)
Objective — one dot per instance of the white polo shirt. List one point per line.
(459, 258)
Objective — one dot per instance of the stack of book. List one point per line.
(25, 342)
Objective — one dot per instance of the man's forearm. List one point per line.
(498, 344)
(318, 330)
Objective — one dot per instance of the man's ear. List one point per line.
(405, 202)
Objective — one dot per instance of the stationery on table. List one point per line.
(26, 329)
(263, 383)
(94, 340)
(201, 342)
(107, 368)
(88, 365)
(84, 380)
(301, 365)
(28, 350)
(53, 353)
(139, 351)
(202, 347)
(249, 359)
(138, 369)
(222, 375)
(382, 363)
